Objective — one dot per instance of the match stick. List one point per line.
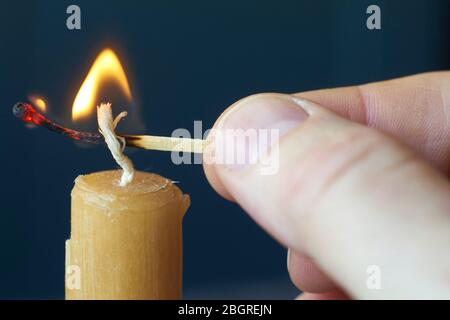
(165, 143)
(27, 113)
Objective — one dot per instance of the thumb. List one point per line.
(371, 214)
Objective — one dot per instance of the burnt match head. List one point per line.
(27, 113)
(20, 109)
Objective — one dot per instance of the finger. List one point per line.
(306, 275)
(341, 194)
(413, 109)
(398, 107)
(323, 296)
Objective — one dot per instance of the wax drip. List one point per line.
(116, 144)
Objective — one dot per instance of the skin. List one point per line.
(363, 181)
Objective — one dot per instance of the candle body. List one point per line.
(126, 242)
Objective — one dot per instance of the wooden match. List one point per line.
(27, 113)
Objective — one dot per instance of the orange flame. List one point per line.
(39, 102)
(106, 66)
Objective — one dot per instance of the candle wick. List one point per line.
(116, 144)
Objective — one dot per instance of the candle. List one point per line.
(126, 242)
(126, 232)
(126, 226)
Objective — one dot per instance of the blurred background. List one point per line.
(186, 61)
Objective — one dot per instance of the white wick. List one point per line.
(107, 126)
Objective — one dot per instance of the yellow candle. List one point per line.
(126, 242)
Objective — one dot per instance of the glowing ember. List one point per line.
(28, 114)
(39, 102)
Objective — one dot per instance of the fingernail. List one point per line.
(288, 259)
(250, 128)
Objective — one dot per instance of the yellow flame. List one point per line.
(106, 66)
(39, 102)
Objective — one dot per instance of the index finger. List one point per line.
(414, 110)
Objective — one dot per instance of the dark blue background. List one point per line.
(187, 60)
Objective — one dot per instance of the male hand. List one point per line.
(362, 183)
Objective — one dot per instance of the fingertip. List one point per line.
(323, 296)
(210, 165)
(215, 182)
(307, 275)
